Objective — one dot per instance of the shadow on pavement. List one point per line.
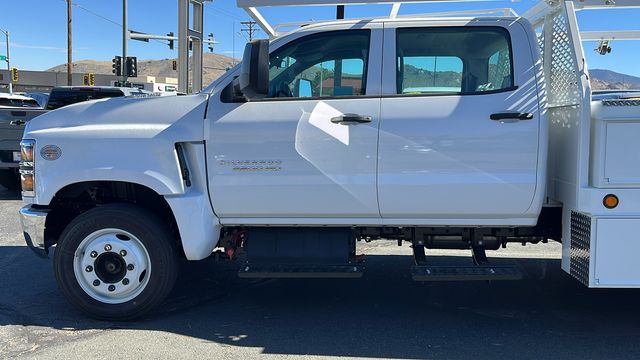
(383, 315)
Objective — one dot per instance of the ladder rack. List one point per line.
(536, 14)
(251, 8)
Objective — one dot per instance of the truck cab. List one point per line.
(440, 126)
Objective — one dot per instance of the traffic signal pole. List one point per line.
(6, 34)
(69, 46)
(125, 38)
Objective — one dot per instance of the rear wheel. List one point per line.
(116, 262)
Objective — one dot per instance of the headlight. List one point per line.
(27, 158)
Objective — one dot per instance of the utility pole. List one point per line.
(125, 37)
(8, 60)
(250, 29)
(69, 46)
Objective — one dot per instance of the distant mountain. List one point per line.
(606, 80)
(214, 65)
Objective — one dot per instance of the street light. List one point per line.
(7, 59)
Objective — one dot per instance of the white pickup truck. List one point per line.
(442, 132)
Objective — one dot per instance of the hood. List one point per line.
(179, 117)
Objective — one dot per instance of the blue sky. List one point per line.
(38, 33)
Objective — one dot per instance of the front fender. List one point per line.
(156, 167)
(121, 139)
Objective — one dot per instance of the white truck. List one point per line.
(445, 132)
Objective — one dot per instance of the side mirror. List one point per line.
(254, 71)
(302, 88)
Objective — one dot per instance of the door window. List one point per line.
(325, 65)
(453, 60)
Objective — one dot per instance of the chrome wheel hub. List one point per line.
(112, 266)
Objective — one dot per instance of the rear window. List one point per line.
(453, 60)
(64, 97)
(18, 102)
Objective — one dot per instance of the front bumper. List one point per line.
(33, 222)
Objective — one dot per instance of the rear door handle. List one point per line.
(351, 119)
(511, 116)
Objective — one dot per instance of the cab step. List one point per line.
(465, 273)
(296, 271)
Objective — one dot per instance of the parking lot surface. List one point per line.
(213, 314)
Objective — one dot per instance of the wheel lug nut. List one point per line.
(89, 268)
(93, 254)
(130, 267)
(107, 247)
(96, 282)
(125, 281)
(112, 287)
(123, 252)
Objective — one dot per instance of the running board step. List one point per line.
(300, 271)
(465, 273)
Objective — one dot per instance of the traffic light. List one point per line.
(211, 42)
(14, 74)
(92, 79)
(85, 79)
(132, 66)
(117, 65)
(174, 65)
(170, 41)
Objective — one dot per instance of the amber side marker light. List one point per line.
(610, 201)
(26, 167)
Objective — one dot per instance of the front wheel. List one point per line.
(116, 262)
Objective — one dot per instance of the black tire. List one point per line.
(148, 229)
(10, 179)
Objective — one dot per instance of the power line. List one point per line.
(103, 17)
(227, 13)
(93, 13)
(96, 14)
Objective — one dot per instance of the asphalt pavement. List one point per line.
(214, 314)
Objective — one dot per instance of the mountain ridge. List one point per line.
(214, 65)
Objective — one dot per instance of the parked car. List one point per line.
(17, 110)
(14, 101)
(66, 95)
(40, 97)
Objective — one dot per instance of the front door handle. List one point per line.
(351, 119)
(511, 116)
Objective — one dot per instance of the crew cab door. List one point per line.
(459, 131)
(308, 150)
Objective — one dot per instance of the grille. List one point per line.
(580, 246)
(6, 156)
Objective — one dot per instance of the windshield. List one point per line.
(64, 97)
